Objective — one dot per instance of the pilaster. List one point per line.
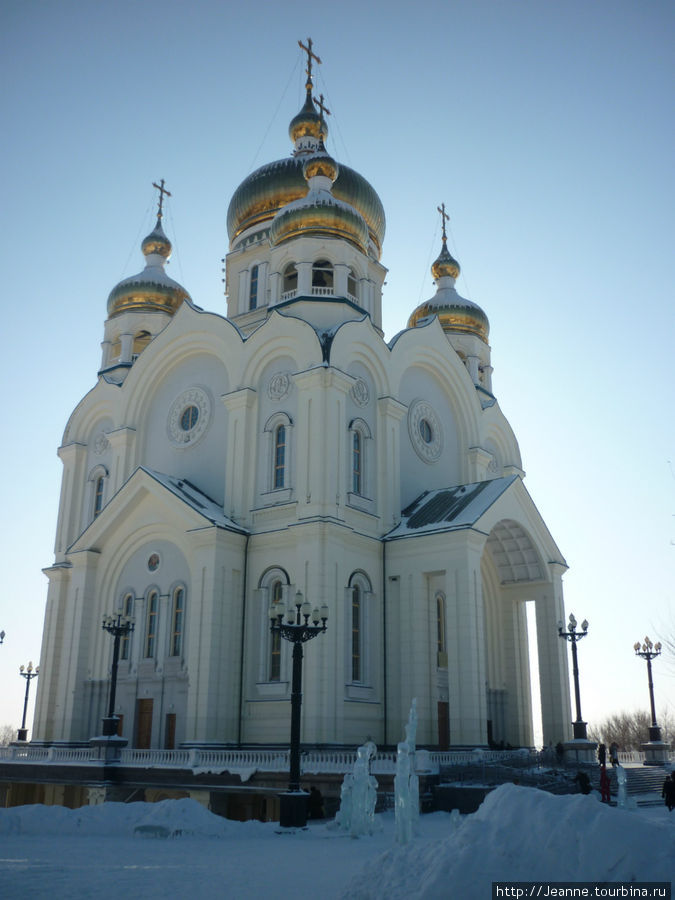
(241, 440)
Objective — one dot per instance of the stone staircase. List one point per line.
(646, 783)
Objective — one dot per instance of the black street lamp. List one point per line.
(27, 673)
(119, 626)
(293, 805)
(649, 652)
(572, 635)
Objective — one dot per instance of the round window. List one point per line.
(153, 562)
(425, 431)
(189, 417)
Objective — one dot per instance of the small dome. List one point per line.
(151, 290)
(319, 212)
(308, 122)
(456, 314)
(445, 264)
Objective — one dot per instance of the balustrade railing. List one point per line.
(315, 762)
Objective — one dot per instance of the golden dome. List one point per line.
(456, 314)
(308, 122)
(151, 290)
(319, 212)
(445, 264)
(260, 197)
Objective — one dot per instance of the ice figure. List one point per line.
(402, 795)
(344, 815)
(406, 782)
(358, 795)
(410, 739)
(621, 780)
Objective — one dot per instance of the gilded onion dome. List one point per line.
(319, 212)
(456, 314)
(264, 192)
(151, 290)
(308, 122)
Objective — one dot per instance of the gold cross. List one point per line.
(310, 57)
(444, 218)
(324, 109)
(162, 190)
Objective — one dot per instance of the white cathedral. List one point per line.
(220, 464)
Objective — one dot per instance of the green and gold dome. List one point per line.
(273, 186)
(151, 290)
(456, 314)
(319, 213)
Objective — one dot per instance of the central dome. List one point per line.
(271, 187)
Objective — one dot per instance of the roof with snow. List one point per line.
(449, 509)
(188, 493)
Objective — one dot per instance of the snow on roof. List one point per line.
(449, 509)
(188, 493)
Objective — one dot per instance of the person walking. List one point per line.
(668, 792)
(602, 755)
(614, 753)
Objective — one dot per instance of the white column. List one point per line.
(556, 712)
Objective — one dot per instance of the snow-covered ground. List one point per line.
(518, 834)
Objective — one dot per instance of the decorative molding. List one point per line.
(184, 433)
(428, 449)
(101, 443)
(360, 393)
(279, 386)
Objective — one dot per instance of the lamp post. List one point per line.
(293, 806)
(573, 636)
(27, 673)
(119, 626)
(2, 636)
(649, 652)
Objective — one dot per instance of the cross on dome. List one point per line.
(310, 56)
(162, 190)
(444, 218)
(324, 109)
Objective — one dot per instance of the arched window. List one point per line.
(357, 636)
(97, 481)
(279, 456)
(273, 589)
(442, 656)
(278, 449)
(141, 341)
(290, 282)
(352, 285)
(322, 277)
(151, 624)
(359, 458)
(357, 462)
(177, 621)
(358, 620)
(125, 640)
(98, 494)
(274, 665)
(253, 289)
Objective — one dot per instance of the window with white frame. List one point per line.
(151, 617)
(359, 435)
(273, 589)
(352, 285)
(177, 620)
(322, 277)
(125, 639)
(358, 598)
(253, 288)
(441, 647)
(274, 661)
(290, 279)
(97, 480)
(278, 433)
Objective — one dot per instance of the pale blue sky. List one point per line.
(545, 127)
